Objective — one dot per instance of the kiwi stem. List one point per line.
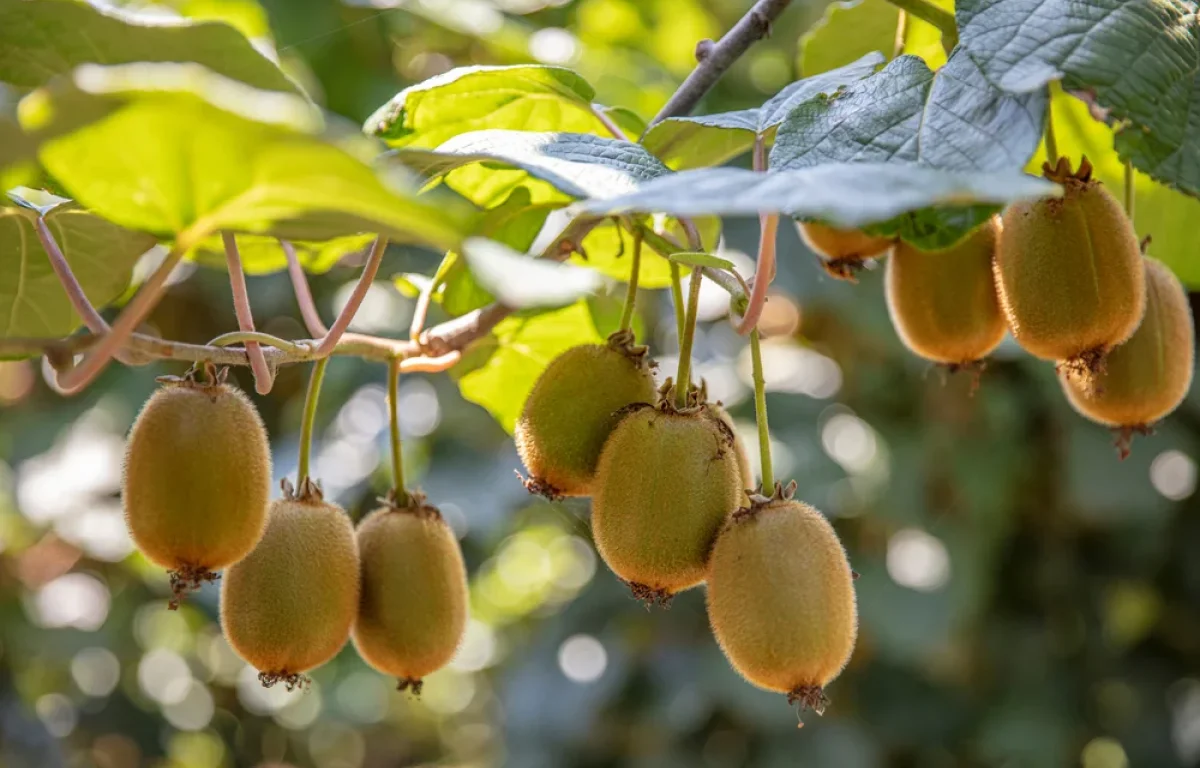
(401, 493)
(760, 414)
(635, 269)
(764, 271)
(346, 316)
(263, 379)
(901, 33)
(308, 308)
(683, 378)
(1129, 189)
(938, 17)
(1051, 141)
(310, 416)
(677, 300)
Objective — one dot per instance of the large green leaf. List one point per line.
(40, 39)
(1165, 214)
(526, 97)
(100, 253)
(576, 164)
(1139, 59)
(953, 119)
(499, 371)
(845, 194)
(706, 140)
(181, 152)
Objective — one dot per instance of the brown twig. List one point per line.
(359, 293)
(308, 308)
(752, 27)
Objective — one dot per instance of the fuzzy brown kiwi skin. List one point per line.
(1148, 376)
(781, 598)
(843, 252)
(666, 483)
(943, 304)
(1069, 272)
(288, 607)
(196, 481)
(572, 409)
(412, 613)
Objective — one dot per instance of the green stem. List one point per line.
(938, 17)
(760, 415)
(310, 416)
(1129, 190)
(266, 339)
(634, 273)
(1051, 141)
(901, 34)
(677, 300)
(683, 379)
(401, 493)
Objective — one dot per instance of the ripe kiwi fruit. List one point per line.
(413, 610)
(1148, 376)
(288, 607)
(667, 481)
(943, 303)
(1069, 272)
(842, 251)
(781, 598)
(571, 411)
(197, 478)
(739, 447)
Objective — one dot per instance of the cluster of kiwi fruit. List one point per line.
(300, 580)
(1066, 276)
(672, 508)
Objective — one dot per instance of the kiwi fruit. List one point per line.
(289, 605)
(1069, 272)
(197, 478)
(572, 409)
(781, 598)
(943, 303)
(667, 480)
(413, 609)
(1148, 376)
(843, 252)
(739, 447)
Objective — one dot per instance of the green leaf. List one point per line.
(693, 259)
(706, 140)
(846, 32)
(15, 146)
(1165, 214)
(526, 97)
(1140, 59)
(521, 282)
(844, 194)
(499, 371)
(101, 255)
(263, 255)
(43, 38)
(576, 164)
(180, 152)
(609, 250)
(953, 119)
(630, 122)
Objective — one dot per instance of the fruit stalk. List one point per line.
(245, 317)
(901, 33)
(401, 491)
(677, 300)
(938, 17)
(760, 414)
(635, 268)
(1051, 141)
(1129, 189)
(684, 377)
(310, 416)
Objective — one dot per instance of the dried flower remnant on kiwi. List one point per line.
(571, 410)
(196, 477)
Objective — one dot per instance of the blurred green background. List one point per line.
(1026, 598)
